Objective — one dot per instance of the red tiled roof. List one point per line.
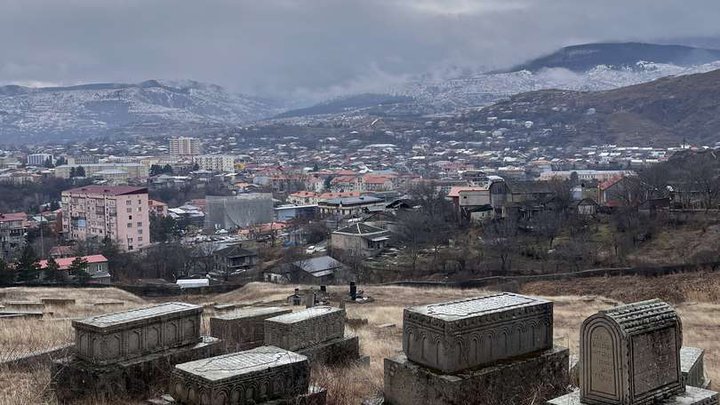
(610, 182)
(65, 262)
(13, 216)
(455, 191)
(108, 190)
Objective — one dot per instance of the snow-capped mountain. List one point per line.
(482, 89)
(150, 107)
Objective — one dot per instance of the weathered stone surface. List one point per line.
(254, 376)
(692, 366)
(472, 332)
(630, 354)
(243, 329)
(58, 301)
(692, 396)
(74, 378)
(121, 336)
(303, 329)
(24, 305)
(506, 382)
(335, 352)
(20, 314)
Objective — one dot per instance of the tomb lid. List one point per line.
(477, 306)
(133, 317)
(233, 365)
(641, 316)
(251, 312)
(305, 314)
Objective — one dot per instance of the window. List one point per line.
(129, 210)
(129, 217)
(139, 224)
(129, 225)
(140, 238)
(128, 202)
(140, 231)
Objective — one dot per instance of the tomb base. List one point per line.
(692, 396)
(74, 378)
(516, 381)
(315, 396)
(337, 351)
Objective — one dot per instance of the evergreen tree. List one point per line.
(52, 271)
(167, 169)
(78, 269)
(73, 172)
(80, 172)
(28, 266)
(60, 161)
(196, 167)
(7, 274)
(49, 163)
(155, 170)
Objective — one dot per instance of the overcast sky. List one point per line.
(296, 47)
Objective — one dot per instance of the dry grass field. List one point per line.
(695, 297)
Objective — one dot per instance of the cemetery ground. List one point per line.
(695, 296)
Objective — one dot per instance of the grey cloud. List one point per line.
(305, 48)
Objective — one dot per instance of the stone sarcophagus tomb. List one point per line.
(243, 329)
(317, 332)
(490, 350)
(302, 329)
(255, 376)
(630, 355)
(121, 336)
(457, 335)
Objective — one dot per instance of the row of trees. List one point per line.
(27, 270)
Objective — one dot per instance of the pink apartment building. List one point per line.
(119, 213)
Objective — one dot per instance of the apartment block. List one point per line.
(13, 226)
(215, 163)
(39, 159)
(119, 213)
(185, 146)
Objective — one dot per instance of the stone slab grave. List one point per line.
(243, 329)
(24, 305)
(262, 375)
(58, 301)
(692, 367)
(18, 314)
(496, 349)
(318, 333)
(630, 355)
(123, 353)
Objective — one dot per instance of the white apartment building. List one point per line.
(215, 163)
(39, 159)
(185, 146)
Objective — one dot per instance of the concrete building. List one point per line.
(215, 163)
(158, 208)
(39, 159)
(119, 213)
(97, 267)
(350, 205)
(239, 211)
(185, 146)
(360, 239)
(12, 233)
(133, 170)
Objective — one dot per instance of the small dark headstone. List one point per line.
(353, 290)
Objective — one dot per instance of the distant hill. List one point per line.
(148, 108)
(344, 104)
(663, 111)
(581, 58)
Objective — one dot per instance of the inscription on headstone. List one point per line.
(602, 358)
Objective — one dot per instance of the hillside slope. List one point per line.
(663, 112)
(150, 107)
